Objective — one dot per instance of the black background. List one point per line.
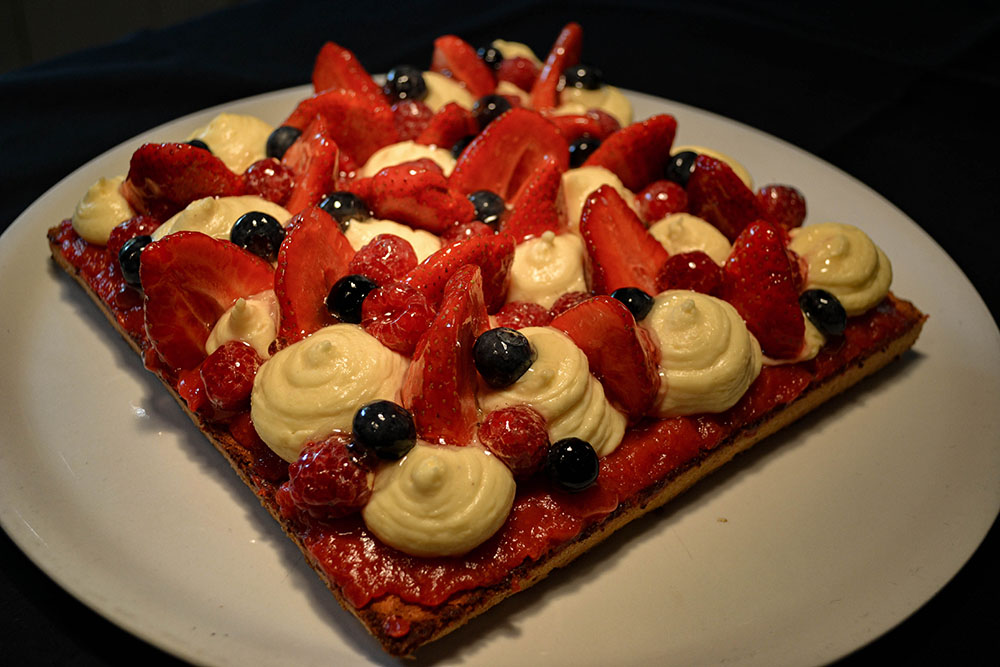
(900, 96)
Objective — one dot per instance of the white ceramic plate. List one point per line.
(810, 546)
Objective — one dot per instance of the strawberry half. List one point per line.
(164, 178)
(338, 68)
(537, 206)
(189, 280)
(622, 253)
(312, 160)
(314, 255)
(637, 153)
(572, 127)
(447, 126)
(492, 254)
(456, 58)
(565, 53)
(439, 388)
(505, 154)
(621, 355)
(519, 71)
(716, 194)
(358, 127)
(761, 280)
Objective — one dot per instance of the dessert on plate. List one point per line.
(455, 329)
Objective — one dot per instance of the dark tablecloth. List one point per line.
(901, 96)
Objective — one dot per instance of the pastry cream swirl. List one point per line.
(546, 267)
(846, 263)
(100, 210)
(708, 358)
(440, 500)
(559, 385)
(313, 387)
(215, 215)
(238, 140)
(252, 320)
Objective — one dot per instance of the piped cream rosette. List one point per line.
(440, 500)
(708, 358)
(545, 267)
(215, 216)
(100, 210)
(313, 387)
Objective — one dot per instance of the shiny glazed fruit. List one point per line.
(345, 206)
(259, 233)
(386, 428)
(680, 166)
(405, 82)
(583, 76)
(346, 296)
(489, 206)
(502, 356)
(581, 149)
(280, 140)
(488, 109)
(824, 310)
(326, 481)
(129, 257)
(638, 302)
(573, 464)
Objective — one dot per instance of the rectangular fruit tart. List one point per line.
(456, 329)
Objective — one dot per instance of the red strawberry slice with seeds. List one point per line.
(716, 194)
(164, 178)
(537, 207)
(358, 127)
(565, 53)
(456, 58)
(505, 154)
(314, 255)
(520, 71)
(622, 253)
(451, 123)
(760, 279)
(439, 388)
(312, 160)
(637, 153)
(189, 280)
(338, 68)
(620, 355)
(572, 127)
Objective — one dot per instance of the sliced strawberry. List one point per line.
(451, 123)
(565, 53)
(573, 127)
(354, 124)
(492, 254)
(520, 71)
(659, 199)
(339, 69)
(760, 279)
(164, 178)
(537, 206)
(415, 193)
(456, 58)
(716, 193)
(439, 387)
(504, 155)
(567, 300)
(625, 363)
(314, 255)
(637, 153)
(312, 160)
(465, 230)
(270, 180)
(412, 117)
(622, 253)
(189, 279)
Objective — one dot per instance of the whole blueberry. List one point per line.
(824, 310)
(259, 233)
(405, 82)
(279, 141)
(128, 258)
(637, 301)
(460, 145)
(198, 143)
(386, 428)
(583, 76)
(489, 206)
(502, 356)
(490, 55)
(581, 149)
(680, 166)
(346, 296)
(487, 109)
(572, 464)
(345, 206)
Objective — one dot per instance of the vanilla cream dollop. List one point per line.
(560, 387)
(845, 262)
(440, 500)
(215, 216)
(708, 358)
(546, 267)
(576, 101)
(101, 209)
(737, 168)
(360, 232)
(236, 139)
(578, 184)
(683, 232)
(406, 151)
(313, 387)
(442, 89)
(253, 320)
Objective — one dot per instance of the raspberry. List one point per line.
(140, 225)
(694, 271)
(466, 231)
(520, 314)
(782, 205)
(384, 259)
(228, 375)
(270, 179)
(397, 315)
(609, 124)
(567, 301)
(191, 388)
(519, 71)
(517, 436)
(659, 199)
(411, 117)
(326, 482)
